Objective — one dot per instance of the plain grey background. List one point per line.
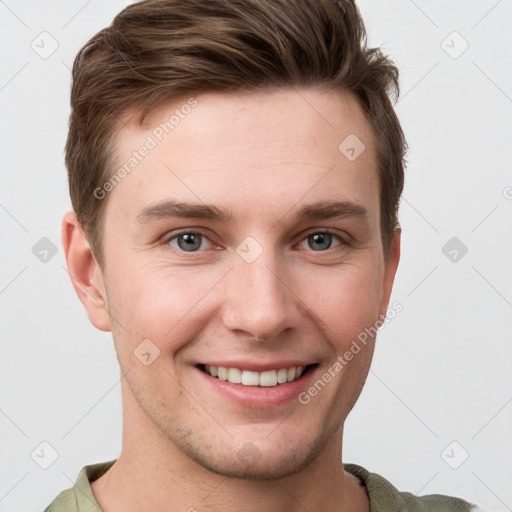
(435, 415)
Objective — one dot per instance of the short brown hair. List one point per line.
(158, 50)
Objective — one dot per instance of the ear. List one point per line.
(84, 271)
(390, 267)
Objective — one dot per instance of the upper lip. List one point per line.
(253, 366)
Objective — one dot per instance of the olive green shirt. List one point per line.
(384, 497)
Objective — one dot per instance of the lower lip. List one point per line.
(259, 397)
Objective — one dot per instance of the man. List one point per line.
(235, 171)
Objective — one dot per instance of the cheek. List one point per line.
(346, 300)
(161, 304)
(170, 306)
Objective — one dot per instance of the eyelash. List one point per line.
(335, 234)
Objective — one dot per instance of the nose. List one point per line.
(259, 299)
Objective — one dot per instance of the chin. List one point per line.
(256, 461)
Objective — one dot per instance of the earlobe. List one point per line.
(84, 271)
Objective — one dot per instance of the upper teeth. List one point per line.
(248, 378)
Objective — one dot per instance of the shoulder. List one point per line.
(384, 496)
(80, 498)
(65, 502)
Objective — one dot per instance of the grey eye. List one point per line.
(321, 241)
(188, 241)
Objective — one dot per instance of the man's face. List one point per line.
(262, 289)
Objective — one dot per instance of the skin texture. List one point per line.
(262, 156)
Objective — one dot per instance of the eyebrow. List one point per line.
(314, 211)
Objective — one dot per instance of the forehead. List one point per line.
(264, 151)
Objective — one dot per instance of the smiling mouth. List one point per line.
(269, 378)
